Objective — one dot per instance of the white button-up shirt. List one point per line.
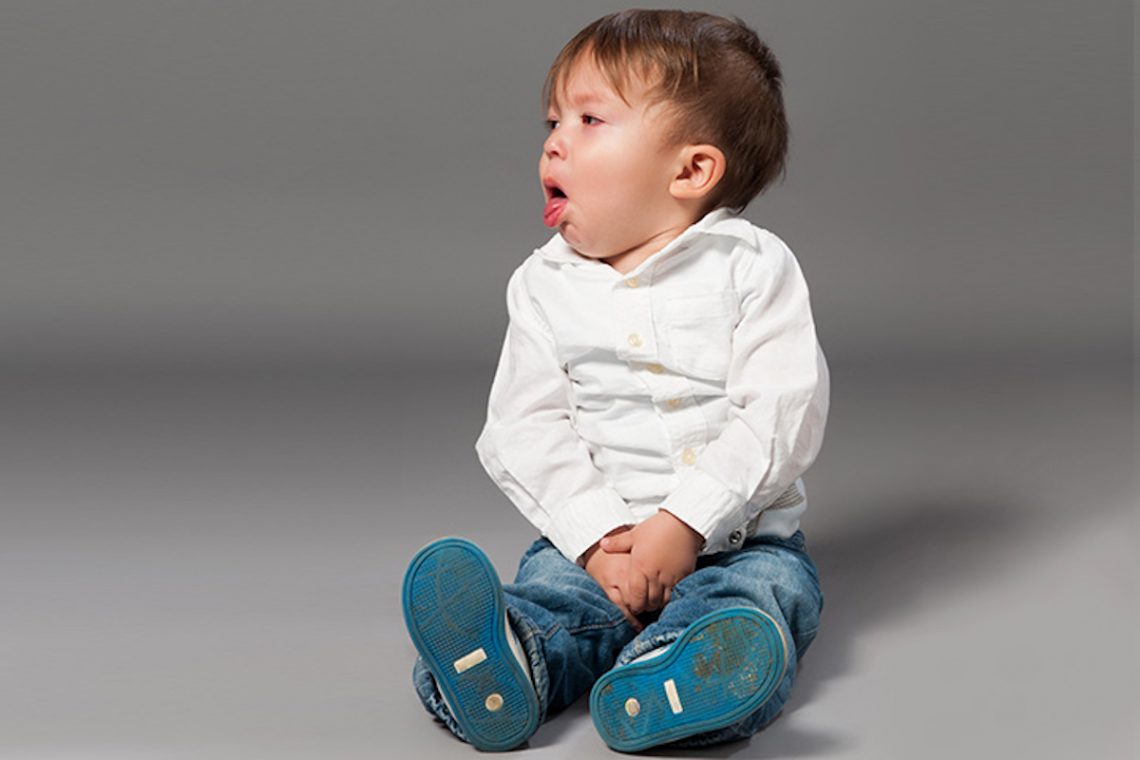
(694, 383)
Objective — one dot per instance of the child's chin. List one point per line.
(581, 246)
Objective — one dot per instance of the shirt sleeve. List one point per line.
(529, 445)
(778, 386)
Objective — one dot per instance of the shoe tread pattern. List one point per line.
(453, 605)
(724, 667)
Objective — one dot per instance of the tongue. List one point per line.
(552, 211)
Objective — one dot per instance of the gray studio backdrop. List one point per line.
(253, 258)
(216, 182)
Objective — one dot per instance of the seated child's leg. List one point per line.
(567, 630)
(739, 623)
(457, 618)
(563, 614)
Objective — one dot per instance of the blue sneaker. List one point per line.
(454, 610)
(721, 669)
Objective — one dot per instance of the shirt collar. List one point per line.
(716, 222)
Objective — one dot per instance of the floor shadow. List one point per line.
(873, 574)
(555, 728)
(907, 550)
(787, 741)
(773, 742)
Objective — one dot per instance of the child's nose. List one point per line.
(555, 145)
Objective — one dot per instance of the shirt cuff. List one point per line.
(585, 519)
(706, 506)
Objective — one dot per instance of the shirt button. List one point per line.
(632, 282)
(673, 403)
(688, 456)
(656, 369)
(735, 536)
(634, 340)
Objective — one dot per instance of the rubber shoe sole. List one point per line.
(722, 668)
(455, 613)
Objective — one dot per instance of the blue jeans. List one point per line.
(573, 633)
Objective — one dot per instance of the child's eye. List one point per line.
(551, 124)
(589, 120)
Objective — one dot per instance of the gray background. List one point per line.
(254, 258)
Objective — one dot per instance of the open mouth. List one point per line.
(555, 204)
(553, 191)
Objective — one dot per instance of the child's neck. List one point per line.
(626, 261)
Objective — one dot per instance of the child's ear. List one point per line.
(701, 168)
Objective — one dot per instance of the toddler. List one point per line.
(659, 394)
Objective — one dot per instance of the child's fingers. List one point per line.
(615, 596)
(655, 597)
(619, 543)
(636, 591)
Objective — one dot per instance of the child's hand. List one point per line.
(662, 550)
(611, 571)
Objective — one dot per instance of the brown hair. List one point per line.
(721, 82)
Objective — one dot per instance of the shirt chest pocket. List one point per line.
(699, 331)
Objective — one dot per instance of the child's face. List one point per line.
(606, 167)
